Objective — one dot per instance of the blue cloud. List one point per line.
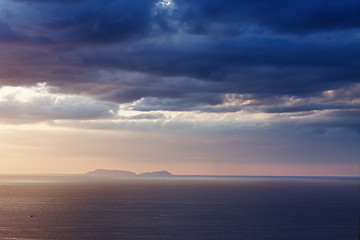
(186, 57)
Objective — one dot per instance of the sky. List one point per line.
(192, 87)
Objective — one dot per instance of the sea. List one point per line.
(74, 207)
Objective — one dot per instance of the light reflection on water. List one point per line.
(78, 207)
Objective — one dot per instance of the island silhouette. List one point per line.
(123, 173)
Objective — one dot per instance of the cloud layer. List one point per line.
(291, 61)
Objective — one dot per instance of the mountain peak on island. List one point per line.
(123, 173)
(156, 174)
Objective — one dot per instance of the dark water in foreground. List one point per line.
(74, 207)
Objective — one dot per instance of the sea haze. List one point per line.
(83, 207)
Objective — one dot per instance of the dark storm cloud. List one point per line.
(297, 17)
(75, 23)
(108, 22)
(342, 121)
(186, 55)
(244, 65)
(7, 35)
(311, 107)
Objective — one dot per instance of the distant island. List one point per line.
(156, 174)
(123, 173)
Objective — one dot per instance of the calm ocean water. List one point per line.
(74, 207)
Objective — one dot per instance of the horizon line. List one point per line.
(181, 175)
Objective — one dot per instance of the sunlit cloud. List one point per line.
(38, 104)
(235, 112)
(24, 94)
(165, 5)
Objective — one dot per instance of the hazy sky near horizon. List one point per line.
(193, 87)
